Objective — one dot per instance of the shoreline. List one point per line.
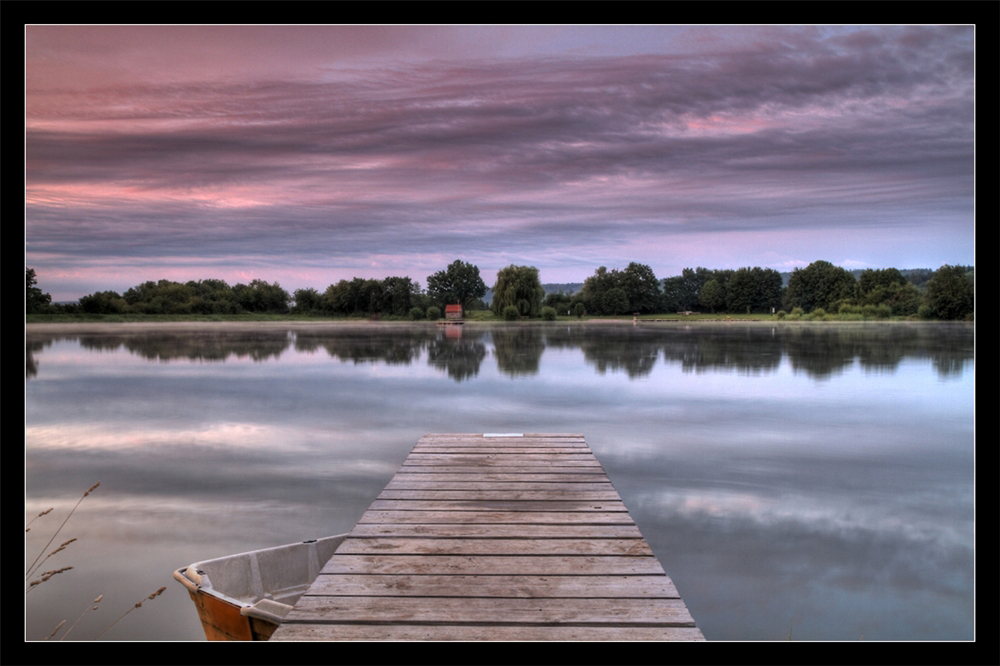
(181, 326)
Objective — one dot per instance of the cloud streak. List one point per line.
(330, 149)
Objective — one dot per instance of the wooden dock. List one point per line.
(494, 537)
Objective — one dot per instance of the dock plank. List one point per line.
(502, 536)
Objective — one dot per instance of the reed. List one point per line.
(58, 627)
(137, 605)
(45, 576)
(34, 565)
(27, 528)
(94, 607)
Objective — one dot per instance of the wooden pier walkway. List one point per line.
(494, 537)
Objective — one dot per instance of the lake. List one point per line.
(812, 480)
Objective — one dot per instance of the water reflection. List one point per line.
(819, 351)
(818, 474)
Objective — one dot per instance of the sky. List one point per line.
(304, 155)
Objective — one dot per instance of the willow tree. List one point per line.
(520, 287)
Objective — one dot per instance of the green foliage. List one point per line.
(548, 313)
(614, 301)
(641, 288)
(712, 295)
(459, 283)
(518, 286)
(307, 301)
(681, 293)
(397, 296)
(35, 299)
(633, 289)
(753, 290)
(511, 313)
(951, 293)
(819, 285)
(103, 302)
(561, 302)
(260, 296)
(817, 313)
(885, 278)
(416, 313)
(819, 289)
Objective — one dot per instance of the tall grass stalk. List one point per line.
(94, 607)
(58, 627)
(138, 605)
(27, 528)
(36, 563)
(45, 576)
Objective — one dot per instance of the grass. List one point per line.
(48, 575)
(471, 316)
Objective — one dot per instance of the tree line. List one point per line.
(820, 289)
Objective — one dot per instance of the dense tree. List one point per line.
(35, 299)
(885, 278)
(307, 301)
(818, 285)
(459, 283)
(397, 295)
(260, 296)
(681, 293)
(103, 302)
(615, 301)
(518, 286)
(594, 288)
(639, 290)
(951, 293)
(712, 295)
(753, 290)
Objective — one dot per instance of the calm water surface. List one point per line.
(812, 479)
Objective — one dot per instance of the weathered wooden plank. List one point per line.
(492, 610)
(492, 585)
(521, 470)
(499, 494)
(513, 459)
(583, 565)
(496, 505)
(498, 475)
(506, 537)
(497, 531)
(488, 517)
(446, 484)
(502, 450)
(424, 546)
(486, 436)
(444, 632)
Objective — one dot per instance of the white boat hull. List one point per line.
(245, 597)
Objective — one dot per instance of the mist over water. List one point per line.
(812, 477)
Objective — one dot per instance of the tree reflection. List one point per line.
(819, 350)
(518, 350)
(460, 356)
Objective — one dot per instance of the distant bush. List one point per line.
(511, 313)
(579, 310)
(416, 313)
(433, 313)
(548, 313)
(780, 314)
(818, 313)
